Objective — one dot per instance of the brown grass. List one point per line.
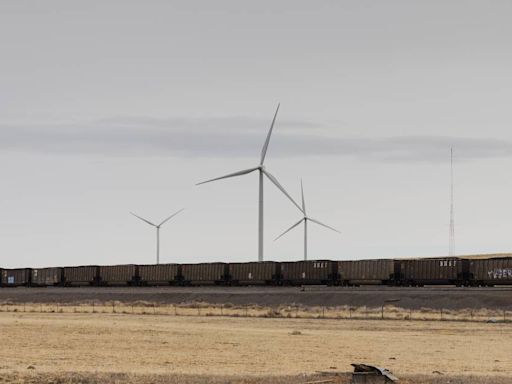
(155, 348)
(388, 312)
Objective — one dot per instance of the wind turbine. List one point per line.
(305, 219)
(157, 231)
(262, 171)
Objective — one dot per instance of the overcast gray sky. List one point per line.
(113, 106)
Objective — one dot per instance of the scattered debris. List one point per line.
(368, 374)
(492, 320)
(333, 367)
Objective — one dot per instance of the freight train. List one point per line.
(459, 271)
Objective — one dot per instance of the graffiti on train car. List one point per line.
(500, 273)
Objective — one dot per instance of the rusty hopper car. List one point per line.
(204, 274)
(366, 272)
(15, 277)
(161, 274)
(433, 271)
(84, 275)
(266, 272)
(43, 277)
(309, 272)
(492, 271)
(117, 274)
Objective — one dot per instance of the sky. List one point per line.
(108, 107)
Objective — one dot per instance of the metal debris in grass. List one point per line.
(369, 374)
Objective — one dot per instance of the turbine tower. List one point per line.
(157, 231)
(305, 219)
(262, 172)
(451, 250)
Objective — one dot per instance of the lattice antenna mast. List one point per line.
(451, 250)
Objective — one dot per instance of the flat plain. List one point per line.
(102, 347)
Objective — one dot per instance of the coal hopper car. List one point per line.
(434, 271)
(309, 272)
(159, 274)
(367, 272)
(491, 271)
(254, 273)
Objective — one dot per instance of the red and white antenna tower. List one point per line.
(451, 250)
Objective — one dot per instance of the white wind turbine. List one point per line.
(305, 219)
(157, 226)
(262, 171)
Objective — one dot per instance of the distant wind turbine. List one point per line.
(157, 231)
(305, 219)
(262, 171)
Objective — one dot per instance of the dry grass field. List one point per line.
(386, 312)
(105, 347)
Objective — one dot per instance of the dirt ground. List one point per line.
(408, 298)
(87, 348)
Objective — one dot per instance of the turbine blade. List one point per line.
(265, 146)
(138, 217)
(289, 229)
(281, 188)
(239, 173)
(323, 225)
(303, 202)
(170, 217)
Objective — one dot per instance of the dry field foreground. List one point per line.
(35, 345)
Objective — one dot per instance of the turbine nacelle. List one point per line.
(263, 171)
(305, 219)
(157, 226)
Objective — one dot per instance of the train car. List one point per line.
(117, 274)
(44, 277)
(161, 274)
(434, 271)
(204, 274)
(82, 275)
(309, 272)
(254, 273)
(367, 272)
(15, 277)
(490, 272)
